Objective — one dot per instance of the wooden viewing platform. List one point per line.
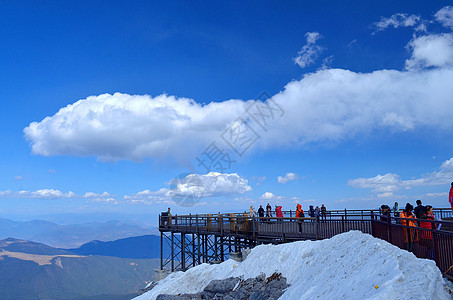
(188, 240)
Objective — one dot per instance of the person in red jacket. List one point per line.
(426, 236)
(278, 211)
(450, 197)
(300, 214)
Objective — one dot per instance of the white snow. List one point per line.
(351, 265)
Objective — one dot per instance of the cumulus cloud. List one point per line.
(386, 185)
(398, 20)
(268, 196)
(431, 51)
(212, 184)
(445, 16)
(330, 105)
(122, 126)
(310, 52)
(287, 177)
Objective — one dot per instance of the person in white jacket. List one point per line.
(252, 212)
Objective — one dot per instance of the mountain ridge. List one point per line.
(30, 270)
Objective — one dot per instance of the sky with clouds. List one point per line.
(123, 109)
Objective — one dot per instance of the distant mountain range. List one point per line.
(69, 236)
(30, 270)
(146, 246)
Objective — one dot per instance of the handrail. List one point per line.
(328, 212)
(423, 242)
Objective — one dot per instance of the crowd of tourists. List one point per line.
(421, 216)
(318, 213)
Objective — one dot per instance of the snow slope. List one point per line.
(347, 266)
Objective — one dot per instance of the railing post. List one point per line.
(373, 233)
(389, 229)
(316, 229)
(209, 222)
(342, 224)
(196, 220)
(161, 250)
(435, 248)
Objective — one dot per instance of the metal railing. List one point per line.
(435, 244)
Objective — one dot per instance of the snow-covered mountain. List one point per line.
(351, 265)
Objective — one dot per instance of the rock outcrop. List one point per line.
(233, 288)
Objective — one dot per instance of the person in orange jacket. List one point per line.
(299, 211)
(408, 214)
(300, 214)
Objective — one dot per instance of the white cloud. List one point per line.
(198, 186)
(431, 51)
(445, 16)
(330, 105)
(209, 185)
(122, 126)
(18, 178)
(268, 196)
(386, 185)
(43, 194)
(398, 20)
(214, 184)
(310, 52)
(288, 177)
(55, 194)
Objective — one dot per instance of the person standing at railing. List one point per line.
(166, 217)
(299, 211)
(419, 211)
(450, 196)
(252, 212)
(317, 213)
(426, 237)
(409, 235)
(311, 212)
(269, 211)
(385, 212)
(323, 213)
(278, 211)
(300, 214)
(261, 212)
(396, 210)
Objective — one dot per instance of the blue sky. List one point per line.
(104, 103)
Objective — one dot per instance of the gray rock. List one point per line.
(258, 288)
(221, 286)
